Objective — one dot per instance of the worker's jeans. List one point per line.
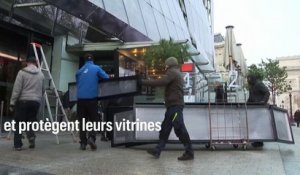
(25, 111)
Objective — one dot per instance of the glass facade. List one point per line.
(165, 19)
(130, 20)
(127, 20)
(14, 42)
(180, 20)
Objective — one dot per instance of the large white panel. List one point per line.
(283, 128)
(195, 119)
(260, 124)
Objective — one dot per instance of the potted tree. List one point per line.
(156, 55)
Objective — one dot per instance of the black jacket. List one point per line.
(258, 93)
(219, 94)
(297, 116)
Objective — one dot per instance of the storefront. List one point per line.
(14, 43)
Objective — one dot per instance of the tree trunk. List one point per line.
(273, 96)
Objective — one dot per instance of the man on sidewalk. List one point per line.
(173, 83)
(87, 78)
(26, 97)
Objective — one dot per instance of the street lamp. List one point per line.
(291, 110)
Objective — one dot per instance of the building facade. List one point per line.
(292, 64)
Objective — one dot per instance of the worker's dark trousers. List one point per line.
(25, 111)
(87, 109)
(174, 118)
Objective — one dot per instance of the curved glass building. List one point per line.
(115, 31)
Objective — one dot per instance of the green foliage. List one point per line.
(258, 72)
(271, 71)
(276, 76)
(156, 55)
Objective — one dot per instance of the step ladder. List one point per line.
(43, 66)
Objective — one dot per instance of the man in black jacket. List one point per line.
(297, 117)
(258, 93)
(173, 96)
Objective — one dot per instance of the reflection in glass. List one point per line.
(172, 30)
(75, 25)
(162, 26)
(135, 15)
(116, 7)
(156, 5)
(150, 22)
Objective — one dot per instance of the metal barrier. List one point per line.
(265, 123)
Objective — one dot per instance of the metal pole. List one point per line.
(1, 116)
(11, 13)
(291, 109)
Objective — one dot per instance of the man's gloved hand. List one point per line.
(11, 108)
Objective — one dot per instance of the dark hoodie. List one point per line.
(258, 92)
(29, 85)
(173, 82)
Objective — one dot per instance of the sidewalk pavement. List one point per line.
(49, 158)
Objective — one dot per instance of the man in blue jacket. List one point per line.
(87, 78)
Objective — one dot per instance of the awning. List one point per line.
(99, 19)
(110, 46)
(136, 49)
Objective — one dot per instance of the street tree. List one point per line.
(276, 76)
(258, 72)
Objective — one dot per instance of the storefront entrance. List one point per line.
(14, 43)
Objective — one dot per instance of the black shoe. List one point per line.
(186, 156)
(105, 139)
(154, 153)
(92, 143)
(31, 143)
(18, 148)
(257, 144)
(83, 146)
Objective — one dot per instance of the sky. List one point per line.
(266, 28)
